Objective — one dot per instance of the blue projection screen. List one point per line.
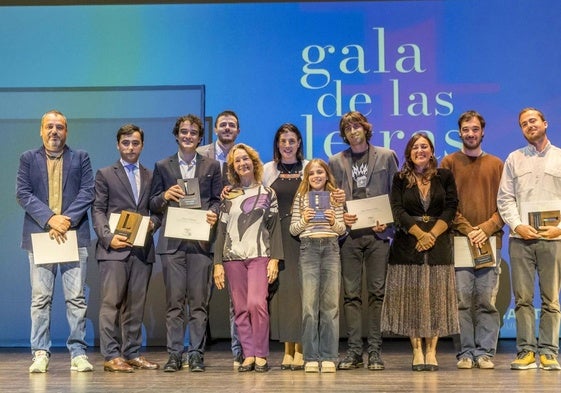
(408, 65)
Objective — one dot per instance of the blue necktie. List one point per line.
(132, 179)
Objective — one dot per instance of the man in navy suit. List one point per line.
(55, 188)
(186, 264)
(124, 270)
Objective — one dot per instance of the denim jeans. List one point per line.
(236, 345)
(357, 252)
(479, 318)
(320, 278)
(526, 258)
(73, 277)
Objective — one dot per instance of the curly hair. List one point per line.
(193, 119)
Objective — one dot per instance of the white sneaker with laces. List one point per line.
(40, 362)
(80, 363)
(465, 363)
(328, 367)
(485, 362)
(311, 367)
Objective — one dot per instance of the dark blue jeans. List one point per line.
(320, 278)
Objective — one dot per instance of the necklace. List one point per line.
(287, 168)
(289, 171)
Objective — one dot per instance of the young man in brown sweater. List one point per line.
(477, 175)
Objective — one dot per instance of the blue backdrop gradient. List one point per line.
(408, 65)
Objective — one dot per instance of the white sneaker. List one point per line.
(311, 367)
(40, 362)
(465, 363)
(80, 363)
(328, 367)
(485, 362)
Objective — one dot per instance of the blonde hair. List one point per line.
(233, 177)
(304, 187)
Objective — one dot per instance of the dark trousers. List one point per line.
(123, 288)
(370, 253)
(187, 278)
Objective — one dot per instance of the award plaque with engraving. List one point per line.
(128, 225)
(192, 198)
(319, 201)
(482, 256)
(544, 218)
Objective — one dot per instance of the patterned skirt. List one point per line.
(420, 301)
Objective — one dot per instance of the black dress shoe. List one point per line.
(296, 367)
(246, 368)
(261, 369)
(418, 367)
(196, 363)
(174, 363)
(350, 361)
(375, 361)
(431, 367)
(184, 360)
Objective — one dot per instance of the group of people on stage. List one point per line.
(283, 243)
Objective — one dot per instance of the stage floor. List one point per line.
(221, 377)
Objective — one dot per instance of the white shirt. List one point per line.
(528, 176)
(187, 168)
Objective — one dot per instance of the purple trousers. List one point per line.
(247, 283)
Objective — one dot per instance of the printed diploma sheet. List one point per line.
(370, 210)
(187, 224)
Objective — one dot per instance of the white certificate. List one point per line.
(187, 224)
(47, 250)
(462, 253)
(140, 239)
(370, 210)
